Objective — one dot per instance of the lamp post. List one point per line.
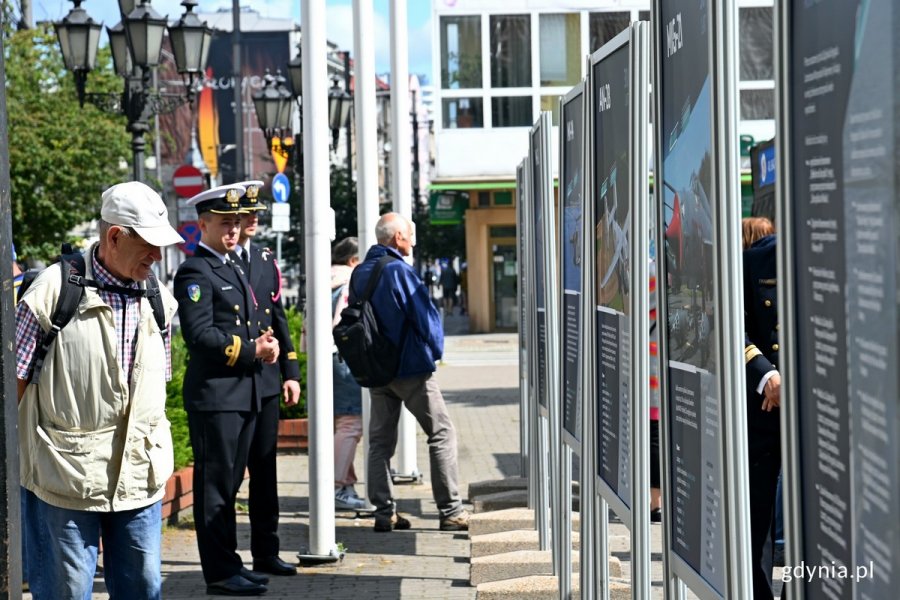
(274, 111)
(135, 43)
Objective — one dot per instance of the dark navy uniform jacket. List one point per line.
(217, 311)
(761, 329)
(265, 279)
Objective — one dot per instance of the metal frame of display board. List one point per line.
(837, 353)
(548, 255)
(569, 444)
(727, 324)
(635, 43)
(539, 186)
(525, 451)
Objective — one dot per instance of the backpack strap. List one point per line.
(155, 299)
(70, 293)
(373, 278)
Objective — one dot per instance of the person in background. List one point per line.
(281, 379)
(449, 283)
(222, 384)
(463, 289)
(401, 304)
(347, 393)
(763, 393)
(96, 448)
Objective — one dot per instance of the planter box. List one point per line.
(293, 434)
(179, 493)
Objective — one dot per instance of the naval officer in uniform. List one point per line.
(279, 378)
(763, 402)
(222, 384)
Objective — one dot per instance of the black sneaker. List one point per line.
(395, 522)
(656, 515)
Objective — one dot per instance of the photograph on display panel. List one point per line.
(843, 202)
(688, 262)
(611, 194)
(572, 154)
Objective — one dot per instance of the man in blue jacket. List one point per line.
(405, 313)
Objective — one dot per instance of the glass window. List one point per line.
(503, 199)
(644, 15)
(757, 104)
(551, 103)
(484, 199)
(460, 52)
(756, 43)
(502, 231)
(511, 111)
(560, 49)
(511, 51)
(604, 26)
(462, 113)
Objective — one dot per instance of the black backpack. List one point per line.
(372, 358)
(72, 268)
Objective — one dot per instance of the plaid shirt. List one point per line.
(126, 313)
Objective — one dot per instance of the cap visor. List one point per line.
(160, 236)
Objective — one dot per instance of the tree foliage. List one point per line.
(61, 156)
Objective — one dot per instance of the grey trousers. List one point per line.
(423, 398)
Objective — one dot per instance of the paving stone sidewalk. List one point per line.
(421, 563)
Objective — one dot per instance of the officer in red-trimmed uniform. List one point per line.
(222, 384)
(281, 378)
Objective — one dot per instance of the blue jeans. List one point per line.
(63, 558)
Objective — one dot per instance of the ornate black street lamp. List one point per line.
(135, 44)
(339, 104)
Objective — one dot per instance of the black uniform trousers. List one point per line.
(764, 466)
(264, 481)
(221, 442)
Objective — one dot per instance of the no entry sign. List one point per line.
(187, 181)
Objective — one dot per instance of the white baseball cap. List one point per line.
(133, 204)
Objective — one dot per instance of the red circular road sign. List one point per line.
(188, 181)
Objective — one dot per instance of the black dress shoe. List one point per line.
(235, 586)
(254, 577)
(274, 566)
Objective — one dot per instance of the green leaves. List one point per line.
(61, 156)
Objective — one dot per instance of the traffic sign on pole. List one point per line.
(190, 231)
(281, 187)
(188, 181)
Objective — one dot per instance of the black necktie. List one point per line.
(245, 260)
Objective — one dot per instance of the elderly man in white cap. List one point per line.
(95, 445)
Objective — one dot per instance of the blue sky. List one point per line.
(339, 17)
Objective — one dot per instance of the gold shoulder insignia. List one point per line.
(292, 356)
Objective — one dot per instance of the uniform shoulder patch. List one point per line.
(193, 291)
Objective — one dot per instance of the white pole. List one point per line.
(318, 262)
(401, 190)
(366, 158)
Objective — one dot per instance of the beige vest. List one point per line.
(90, 439)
